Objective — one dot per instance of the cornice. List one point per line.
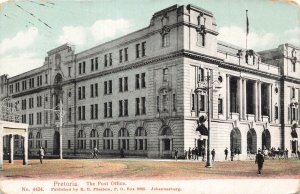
(290, 79)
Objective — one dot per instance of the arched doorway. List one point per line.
(166, 141)
(266, 139)
(56, 146)
(235, 141)
(251, 141)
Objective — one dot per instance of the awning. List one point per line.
(294, 134)
(202, 129)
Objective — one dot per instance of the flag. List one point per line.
(247, 30)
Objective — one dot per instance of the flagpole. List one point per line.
(247, 28)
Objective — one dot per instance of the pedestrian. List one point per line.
(196, 153)
(185, 154)
(232, 155)
(259, 160)
(41, 154)
(189, 153)
(213, 153)
(122, 153)
(176, 154)
(226, 153)
(286, 153)
(193, 153)
(95, 151)
(203, 154)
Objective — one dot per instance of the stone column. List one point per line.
(255, 100)
(228, 96)
(259, 101)
(26, 148)
(1, 147)
(11, 153)
(240, 93)
(245, 99)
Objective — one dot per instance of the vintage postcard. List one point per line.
(149, 96)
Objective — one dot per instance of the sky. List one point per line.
(30, 28)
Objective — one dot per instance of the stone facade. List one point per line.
(139, 92)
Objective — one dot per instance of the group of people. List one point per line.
(195, 153)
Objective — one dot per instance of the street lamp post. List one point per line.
(205, 86)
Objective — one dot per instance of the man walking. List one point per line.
(95, 152)
(226, 153)
(176, 154)
(41, 154)
(213, 153)
(259, 160)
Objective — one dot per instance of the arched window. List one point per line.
(30, 140)
(235, 141)
(266, 139)
(123, 141)
(108, 143)
(251, 141)
(81, 140)
(38, 140)
(94, 139)
(140, 139)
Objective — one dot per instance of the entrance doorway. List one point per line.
(266, 139)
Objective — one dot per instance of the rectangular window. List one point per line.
(83, 112)
(92, 111)
(110, 59)
(126, 54)
(79, 69)
(96, 89)
(164, 103)
(143, 80)
(120, 84)
(46, 117)
(137, 106)
(174, 102)
(46, 144)
(143, 105)
(96, 111)
(125, 84)
(110, 109)
(120, 108)
(79, 93)
(79, 113)
(165, 40)
(220, 106)
(201, 74)
(105, 87)
(137, 49)
(70, 114)
(92, 90)
(96, 63)
(46, 78)
(165, 74)
(202, 103)
(293, 92)
(83, 67)
(83, 92)
(143, 49)
(105, 60)
(110, 86)
(157, 103)
(69, 144)
(105, 110)
(92, 64)
(121, 55)
(125, 107)
(137, 81)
